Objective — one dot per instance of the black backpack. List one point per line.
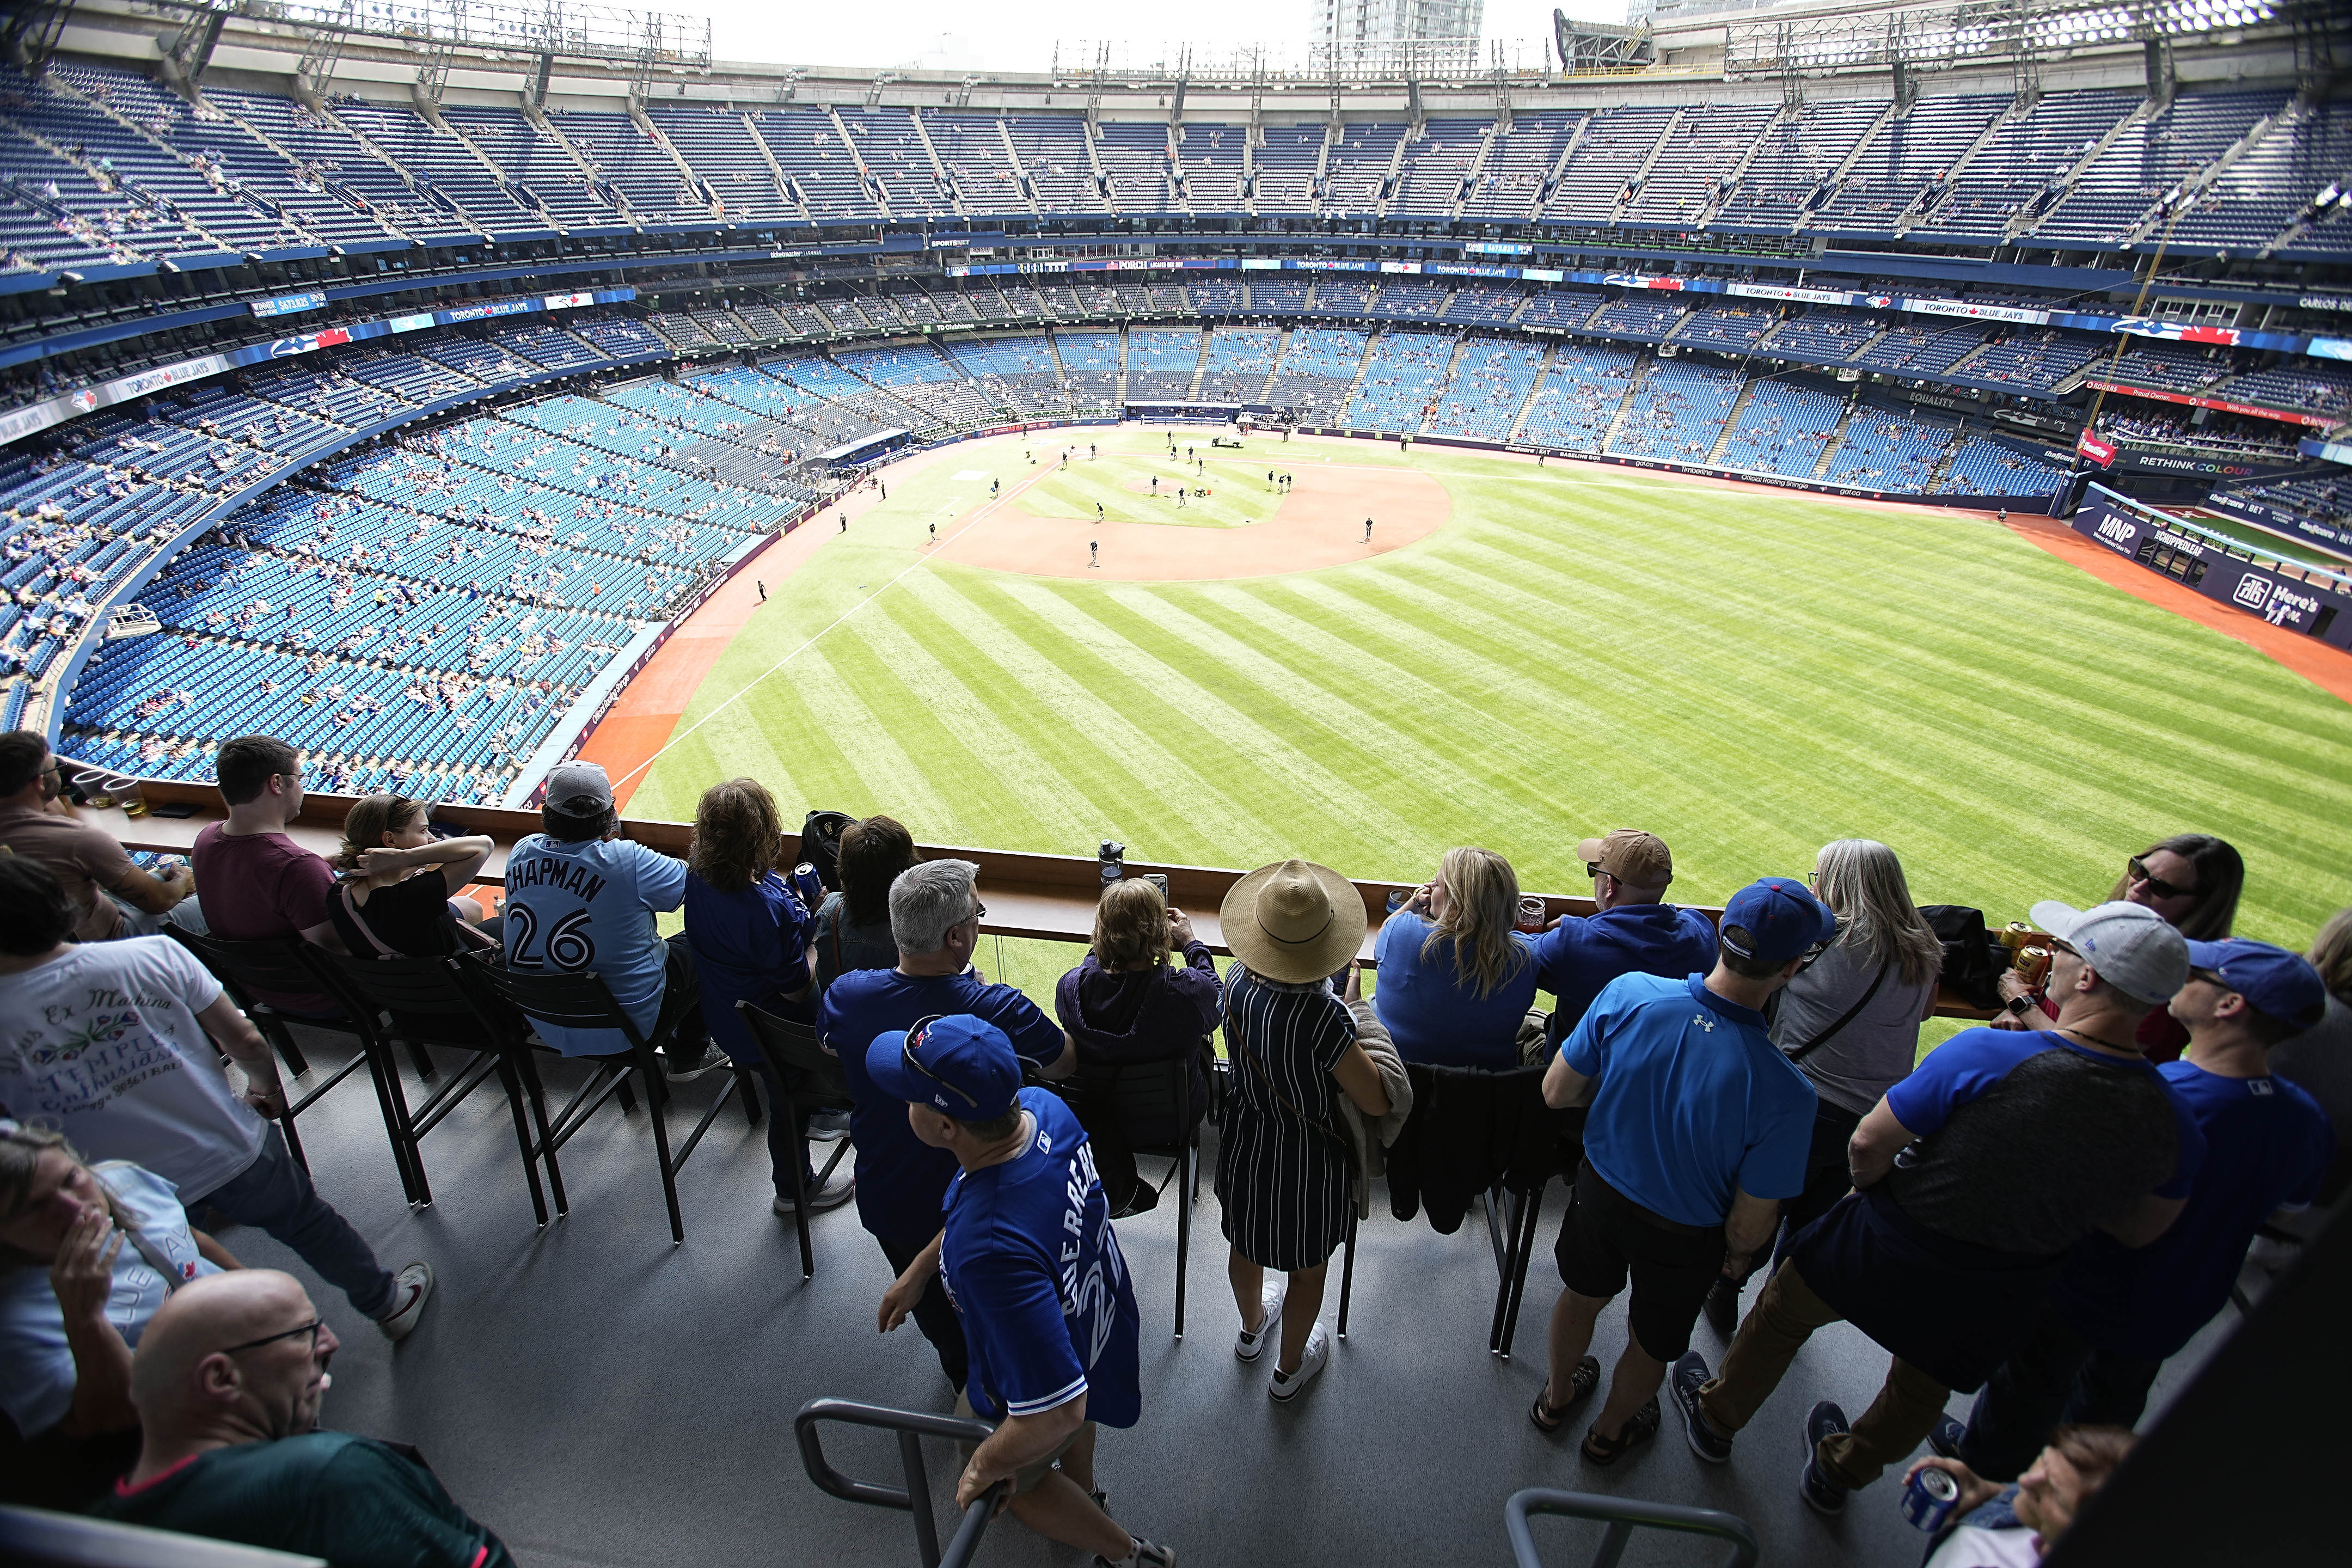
(1972, 959)
(821, 845)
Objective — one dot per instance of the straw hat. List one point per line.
(1294, 922)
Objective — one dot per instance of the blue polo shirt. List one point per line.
(1692, 1098)
(1036, 1276)
(2267, 1144)
(750, 945)
(1577, 959)
(902, 1179)
(1432, 1014)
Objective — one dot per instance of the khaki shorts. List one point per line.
(1027, 1478)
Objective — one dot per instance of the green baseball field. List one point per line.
(1562, 650)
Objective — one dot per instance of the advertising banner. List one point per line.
(2220, 404)
(2315, 607)
(2100, 452)
(290, 304)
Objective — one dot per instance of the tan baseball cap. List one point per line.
(1641, 859)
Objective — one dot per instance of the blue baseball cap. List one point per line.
(1782, 920)
(962, 1066)
(2280, 983)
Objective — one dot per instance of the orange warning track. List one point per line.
(2326, 668)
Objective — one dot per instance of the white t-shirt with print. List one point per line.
(37, 1391)
(104, 1045)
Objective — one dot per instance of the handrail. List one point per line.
(1624, 1516)
(915, 1496)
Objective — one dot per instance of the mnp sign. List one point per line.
(2314, 603)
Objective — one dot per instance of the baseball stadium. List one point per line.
(1897, 450)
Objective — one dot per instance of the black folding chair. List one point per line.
(807, 1077)
(427, 1002)
(580, 1000)
(243, 968)
(1152, 1105)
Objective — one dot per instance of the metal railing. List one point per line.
(1624, 1516)
(912, 1427)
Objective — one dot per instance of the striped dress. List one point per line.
(1284, 1174)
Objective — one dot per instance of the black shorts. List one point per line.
(1605, 1234)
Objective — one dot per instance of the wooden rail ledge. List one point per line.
(1048, 896)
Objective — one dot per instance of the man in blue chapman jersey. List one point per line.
(1028, 1259)
(580, 900)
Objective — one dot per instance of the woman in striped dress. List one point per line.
(1284, 1172)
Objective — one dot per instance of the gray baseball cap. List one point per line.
(579, 789)
(2133, 948)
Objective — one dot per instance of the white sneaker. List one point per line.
(1285, 1387)
(838, 1189)
(1146, 1555)
(828, 1126)
(1246, 1345)
(415, 1283)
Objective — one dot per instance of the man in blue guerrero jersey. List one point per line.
(580, 899)
(1028, 1258)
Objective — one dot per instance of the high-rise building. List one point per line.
(1418, 35)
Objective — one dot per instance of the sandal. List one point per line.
(1640, 1427)
(1580, 1384)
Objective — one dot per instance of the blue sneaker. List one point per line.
(1946, 1437)
(1822, 1494)
(1688, 1376)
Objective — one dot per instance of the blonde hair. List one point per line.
(1482, 910)
(1131, 926)
(1862, 883)
(2331, 952)
(21, 1149)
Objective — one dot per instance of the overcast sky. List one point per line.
(1020, 35)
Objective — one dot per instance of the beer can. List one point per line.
(1929, 1498)
(1396, 899)
(2016, 934)
(2031, 963)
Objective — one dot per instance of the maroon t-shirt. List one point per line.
(261, 886)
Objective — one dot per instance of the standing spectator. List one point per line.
(227, 1383)
(118, 1044)
(86, 1257)
(113, 895)
(1851, 1023)
(262, 886)
(1126, 1005)
(1284, 1173)
(2016, 1526)
(398, 896)
(2114, 1315)
(1973, 1179)
(1456, 976)
(1697, 1131)
(1631, 930)
(935, 914)
(2319, 1060)
(852, 923)
(2193, 880)
(1028, 1259)
(580, 897)
(748, 929)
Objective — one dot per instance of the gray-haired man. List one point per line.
(935, 915)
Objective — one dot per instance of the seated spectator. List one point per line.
(581, 896)
(935, 910)
(2193, 880)
(2319, 1061)
(398, 896)
(1284, 1173)
(266, 886)
(118, 1045)
(1125, 1004)
(227, 1383)
(2016, 1526)
(86, 1257)
(1851, 1023)
(113, 897)
(1631, 930)
(852, 923)
(748, 929)
(1456, 976)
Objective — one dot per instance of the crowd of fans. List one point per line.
(2040, 1212)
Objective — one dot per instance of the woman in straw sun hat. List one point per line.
(1284, 1172)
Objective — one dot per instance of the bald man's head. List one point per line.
(229, 1358)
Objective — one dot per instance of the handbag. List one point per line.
(1970, 970)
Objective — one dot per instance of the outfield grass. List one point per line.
(1747, 675)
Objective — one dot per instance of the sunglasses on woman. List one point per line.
(2136, 870)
